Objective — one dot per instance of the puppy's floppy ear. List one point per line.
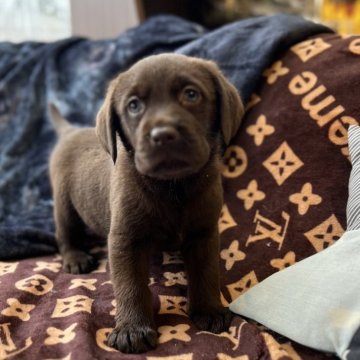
(106, 123)
(231, 105)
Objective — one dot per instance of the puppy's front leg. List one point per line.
(129, 266)
(201, 256)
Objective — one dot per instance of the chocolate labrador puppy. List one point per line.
(148, 178)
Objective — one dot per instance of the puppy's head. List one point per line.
(170, 111)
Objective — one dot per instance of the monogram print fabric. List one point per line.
(285, 183)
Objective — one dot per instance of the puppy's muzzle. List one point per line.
(166, 157)
(170, 152)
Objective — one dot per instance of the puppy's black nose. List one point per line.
(164, 135)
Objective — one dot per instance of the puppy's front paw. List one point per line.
(215, 321)
(78, 262)
(133, 339)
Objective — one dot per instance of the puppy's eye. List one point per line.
(191, 95)
(135, 105)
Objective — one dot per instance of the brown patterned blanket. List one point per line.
(285, 179)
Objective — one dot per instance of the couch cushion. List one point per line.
(287, 196)
(286, 174)
(316, 302)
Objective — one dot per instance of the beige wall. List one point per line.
(100, 19)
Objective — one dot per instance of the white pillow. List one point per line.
(315, 302)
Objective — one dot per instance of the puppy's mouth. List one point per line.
(171, 167)
(166, 169)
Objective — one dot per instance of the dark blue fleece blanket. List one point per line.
(73, 74)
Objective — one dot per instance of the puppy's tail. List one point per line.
(61, 125)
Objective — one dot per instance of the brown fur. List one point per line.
(160, 188)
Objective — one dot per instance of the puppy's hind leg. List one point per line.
(70, 236)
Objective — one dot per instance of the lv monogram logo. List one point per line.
(268, 229)
(7, 346)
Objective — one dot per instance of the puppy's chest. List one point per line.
(168, 231)
(168, 226)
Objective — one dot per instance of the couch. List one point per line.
(285, 183)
